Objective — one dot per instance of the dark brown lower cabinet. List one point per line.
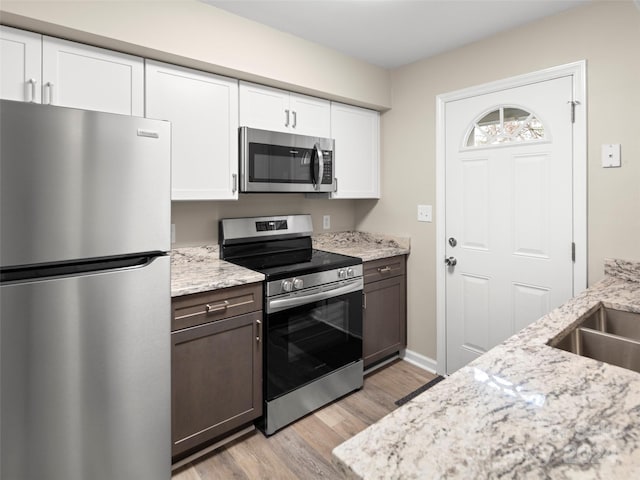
(385, 318)
(216, 379)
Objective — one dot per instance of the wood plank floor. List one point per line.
(303, 450)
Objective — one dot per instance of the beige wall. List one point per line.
(607, 35)
(191, 33)
(196, 223)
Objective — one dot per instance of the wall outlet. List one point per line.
(611, 155)
(326, 222)
(425, 213)
(173, 233)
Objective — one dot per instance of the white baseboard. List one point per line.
(426, 363)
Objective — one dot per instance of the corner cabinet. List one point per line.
(41, 69)
(384, 315)
(357, 152)
(203, 111)
(269, 108)
(216, 365)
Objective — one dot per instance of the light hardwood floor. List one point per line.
(303, 450)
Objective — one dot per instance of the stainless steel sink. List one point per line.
(607, 335)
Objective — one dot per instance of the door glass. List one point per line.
(505, 125)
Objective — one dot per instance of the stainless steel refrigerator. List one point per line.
(84, 295)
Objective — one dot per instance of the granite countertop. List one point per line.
(199, 269)
(368, 246)
(522, 410)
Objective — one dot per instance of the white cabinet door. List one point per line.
(281, 111)
(310, 116)
(21, 54)
(203, 111)
(264, 108)
(357, 151)
(91, 78)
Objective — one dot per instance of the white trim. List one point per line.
(578, 71)
(426, 363)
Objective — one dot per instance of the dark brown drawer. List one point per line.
(199, 308)
(384, 268)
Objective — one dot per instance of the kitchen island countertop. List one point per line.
(199, 269)
(522, 410)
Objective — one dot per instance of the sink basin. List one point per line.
(608, 335)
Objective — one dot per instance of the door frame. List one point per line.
(577, 70)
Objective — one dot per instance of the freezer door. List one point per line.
(79, 184)
(85, 376)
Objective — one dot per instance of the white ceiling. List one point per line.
(391, 33)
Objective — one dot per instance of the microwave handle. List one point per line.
(318, 181)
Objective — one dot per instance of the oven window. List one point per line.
(307, 342)
(277, 164)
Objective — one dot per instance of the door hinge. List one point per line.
(573, 109)
(573, 251)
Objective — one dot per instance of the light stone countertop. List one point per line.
(368, 246)
(199, 269)
(522, 410)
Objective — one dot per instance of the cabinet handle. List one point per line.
(286, 123)
(217, 308)
(33, 83)
(364, 301)
(234, 188)
(386, 269)
(49, 86)
(259, 336)
(295, 118)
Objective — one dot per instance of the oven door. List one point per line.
(306, 342)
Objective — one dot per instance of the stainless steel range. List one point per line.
(312, 314)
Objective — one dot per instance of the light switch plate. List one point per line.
(326, 222)
(425, 213)
(611, 155)
(173, 233)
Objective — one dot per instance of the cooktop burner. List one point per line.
(278, 247)
(287, 265)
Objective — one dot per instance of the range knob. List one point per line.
(350, 272)
(342, 273)
(298, 283)
(287, 285)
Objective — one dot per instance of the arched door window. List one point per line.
(505, 125)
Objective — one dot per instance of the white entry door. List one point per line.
(509, 213)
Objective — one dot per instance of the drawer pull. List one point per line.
(386, 269)
(217, 308)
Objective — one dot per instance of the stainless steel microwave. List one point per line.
(285, 162)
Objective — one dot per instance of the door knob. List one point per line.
(450, 261)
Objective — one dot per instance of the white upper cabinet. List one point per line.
(203, 111)
(91, 78)
(43, 69)
(357, 151)
(269, 108)
(21, 54)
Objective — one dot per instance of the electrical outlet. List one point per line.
(173, 233)
(425, 213)
(611, 155)
(326, 222)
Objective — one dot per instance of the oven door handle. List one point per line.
(279, 304)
